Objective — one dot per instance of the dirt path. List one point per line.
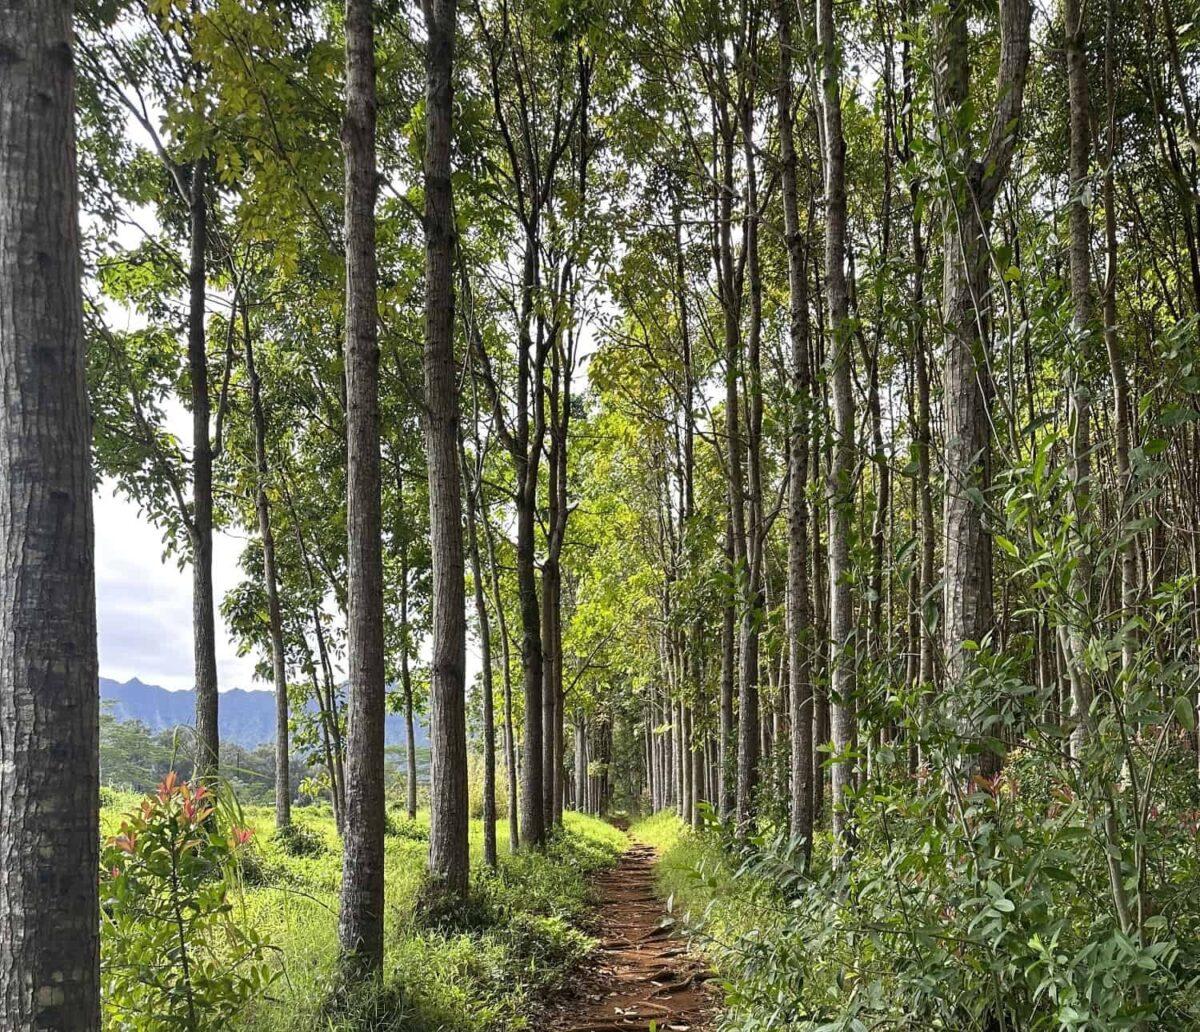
(641, 973)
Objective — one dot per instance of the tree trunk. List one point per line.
(406, 686)
(360, 928)
(725, 779)
(1083, 318)
(840, 486)
(448, 857)
(967, 614)
(49, 703)
(533, 825)
(799, 614)
(472, 487)
(510, 745)
(551, 575)
(749, 752)
(1116, 358)
(204, 634)
(283, 788)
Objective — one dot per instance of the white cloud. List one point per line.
(145, 603)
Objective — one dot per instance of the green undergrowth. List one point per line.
(998, 921)
(486, 969)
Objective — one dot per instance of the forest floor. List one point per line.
(641, 976)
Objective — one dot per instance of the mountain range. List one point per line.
(246, 718)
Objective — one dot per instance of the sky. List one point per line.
(145, 604)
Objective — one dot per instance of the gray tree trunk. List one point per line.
(473, 489)
(799, 612)
(840, 485)
(967, 611)
(360, 926)
(204, 634)
(1112, 343)
(510, 743)
(283, 789)
(49, 701)
(448, 857)
(749, 750)
(1083, 324)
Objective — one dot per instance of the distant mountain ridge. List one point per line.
(246, 718)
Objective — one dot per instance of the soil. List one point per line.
(641, 976)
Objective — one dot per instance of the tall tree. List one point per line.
(361, 923)
(448, 860)
(262, 504)
(49, 707)
(1079, 150)
(840, 485)
(799, 612)
(967, 384)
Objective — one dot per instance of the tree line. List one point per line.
(789, 400)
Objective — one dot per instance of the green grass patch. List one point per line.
(518, 937)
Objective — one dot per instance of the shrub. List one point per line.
(299, 840)
(175, 954)
(400, 825)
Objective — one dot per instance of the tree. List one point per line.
(448, 860)
(49, 704)
(840, 485)
(361, 923)
(799, 622)
(975, 182)
(283, 792)
(140, 59)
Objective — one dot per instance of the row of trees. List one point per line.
(812, 521)
(218, 278)
(895, 419)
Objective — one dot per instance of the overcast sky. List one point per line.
(145, 604)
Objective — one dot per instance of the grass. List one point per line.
(693, 872)
(518, 937)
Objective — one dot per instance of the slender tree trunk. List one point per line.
(49, 701)
(1083, 318)
(749, 752)
(360, 926)
(283, 788)
(799, 614)
(967, 612)
(1116, 357)
(406, 685)
(204, 635)
(551, 575)
(840, 487)
(448, 857)
(510, 745)
(472, 488)
(533, 825)
(726, 781)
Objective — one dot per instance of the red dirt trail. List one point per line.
(641, 973)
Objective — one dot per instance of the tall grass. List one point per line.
(517, 938)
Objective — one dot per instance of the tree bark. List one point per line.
(283, 791)
(204, 635)
(749, 752)
(799, 613)
(49, 701)
(840, 484)
(472, 489)
(448, 856)
(361, 922)
(1083, 319)
(1113, 347)
(726, 781)
(967, 614)
(510, 744)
